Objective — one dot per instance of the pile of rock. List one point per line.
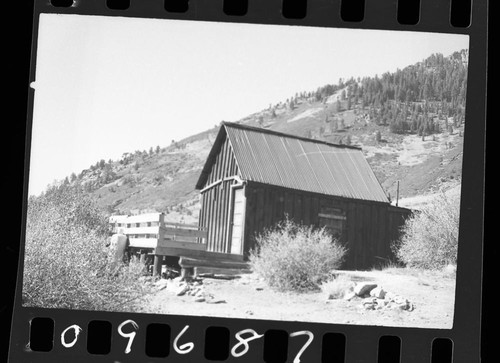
(194, 288)
(376, 298)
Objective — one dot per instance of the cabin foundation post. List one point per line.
(187, 273)
(158, 262)
(142, 257)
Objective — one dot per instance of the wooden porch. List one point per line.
(151, 236)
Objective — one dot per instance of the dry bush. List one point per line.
(337, 286)
(430, 236)
(66, 262)
(292, 257)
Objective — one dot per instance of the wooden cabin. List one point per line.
(254, 178)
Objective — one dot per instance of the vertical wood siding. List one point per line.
(215, 202)
(370, 228)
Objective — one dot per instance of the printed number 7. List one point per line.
(304, 347)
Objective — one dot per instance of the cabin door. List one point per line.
(237, 221)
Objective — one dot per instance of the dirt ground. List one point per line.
(246, 296)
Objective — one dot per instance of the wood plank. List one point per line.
(351, 237)
(297, 207)
(142, 218)
(220, 271)
(306, 215)
(225, 214)
(216, 216)
(221, 231)
(184, 232)
(142, 230)
(118, 218)
(181, 225)
(211, 221)
(249, 227)
(193, 262)
(143, 242)
(186, 245)
(367, 237)
(157, 264)
(171, 251)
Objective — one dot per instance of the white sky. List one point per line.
(109, 85)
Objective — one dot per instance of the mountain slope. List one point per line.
(410, 125)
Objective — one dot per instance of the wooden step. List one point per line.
(227, 264)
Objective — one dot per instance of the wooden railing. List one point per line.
(152, 235)
(150, 231)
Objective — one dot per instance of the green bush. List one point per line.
(292, 257)
(67, 264)
(430, 236)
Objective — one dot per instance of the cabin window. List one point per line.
(334, 219)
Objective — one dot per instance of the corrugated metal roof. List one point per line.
(289, 161)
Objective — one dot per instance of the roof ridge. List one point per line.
(278, 133)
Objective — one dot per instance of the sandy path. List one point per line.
(248, 297)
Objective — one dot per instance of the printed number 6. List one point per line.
(184, 348)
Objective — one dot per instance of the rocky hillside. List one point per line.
(410, 125)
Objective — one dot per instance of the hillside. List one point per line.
(410, 125)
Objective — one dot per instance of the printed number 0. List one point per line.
(186, 347)
(244, 341)
(77, 330)
(130, 335)
(311, 337)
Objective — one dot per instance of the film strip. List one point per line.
(203, 295)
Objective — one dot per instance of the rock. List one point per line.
(181, 290)
(403, 306)
(369, 306)
(161, 282)
(199, 299)
(364, 288)
(399, 300)
(349, 295)
(220, 301)
(389, 295)
(378, 292)
(259, 288)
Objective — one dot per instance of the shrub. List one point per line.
(292, 257)
(337, 287)
(66, 262)
(430, 236)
